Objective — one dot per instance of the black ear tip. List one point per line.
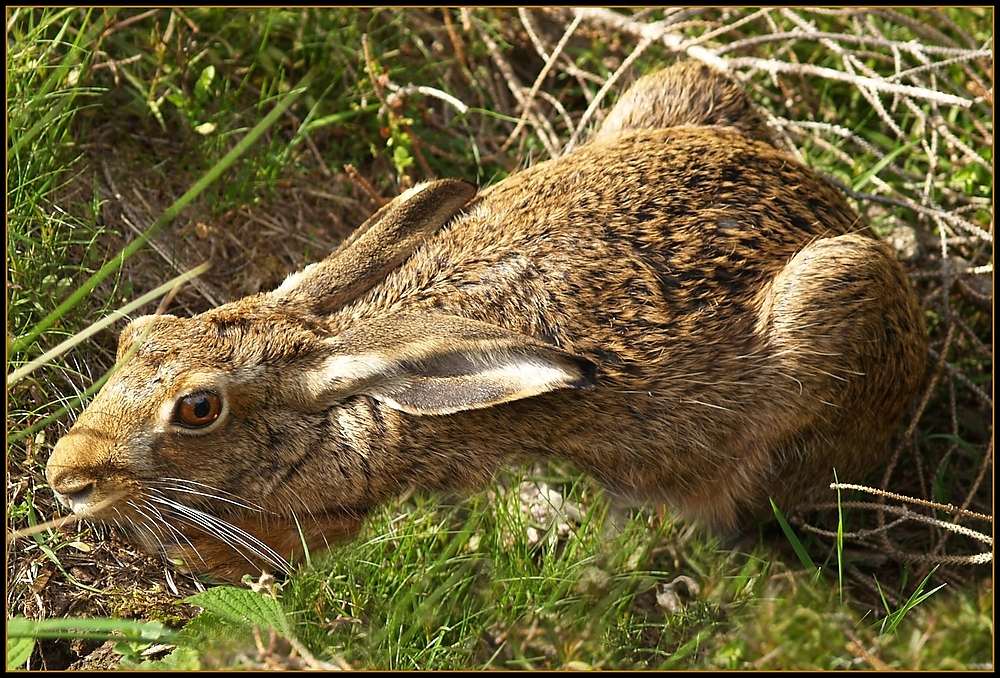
(588, 374)
(460, 186)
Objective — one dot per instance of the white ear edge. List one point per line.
(294, 280)
(342, 369)
(353, 367)
(524, 378)
(413, 191)
(535, 377)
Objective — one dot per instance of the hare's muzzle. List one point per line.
(76, 485)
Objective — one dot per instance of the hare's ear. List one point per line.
(438, 364)
(377, 246)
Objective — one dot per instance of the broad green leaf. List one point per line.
(243, 607)
(18, 651)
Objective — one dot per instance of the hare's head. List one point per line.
(242, 424)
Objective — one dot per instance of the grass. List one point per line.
(113, 114)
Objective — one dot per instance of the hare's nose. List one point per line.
(78, 494)
(71, 487)
(72, 490)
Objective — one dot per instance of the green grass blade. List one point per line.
(793, 539)
(95, 628)
(840, 540)
(55, 78)
(72, 404)
(880, 165)
(894, 619)
(168, 215)
(96, 327)
(885, 603)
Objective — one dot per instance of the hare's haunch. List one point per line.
(677, 307)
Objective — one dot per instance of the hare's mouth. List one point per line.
(76, 499)
(94, 500)
(205, 528)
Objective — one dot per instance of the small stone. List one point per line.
(903, 240)
(533, 536)
(82, 574)
(674, 596)
(593, 581)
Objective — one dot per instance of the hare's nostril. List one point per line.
(75, 491)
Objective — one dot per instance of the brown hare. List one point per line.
(677, 307)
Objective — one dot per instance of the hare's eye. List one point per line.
(198, 409)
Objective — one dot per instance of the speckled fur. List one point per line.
(749, 336)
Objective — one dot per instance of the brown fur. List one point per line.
(678, 307)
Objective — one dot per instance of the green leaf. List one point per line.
(401, 158)
(203, 88)
(18, 651)
(181, 659)
(242, 606)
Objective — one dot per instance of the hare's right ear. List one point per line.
(377, 246)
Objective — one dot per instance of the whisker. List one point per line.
(206, 527)
(304, 505)
(207, 487)
(157, 541)
(115, 520)
(256, 546)
(173, 529)
(153, 523)
(185, 490)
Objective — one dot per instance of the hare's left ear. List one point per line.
(436, 364)
(377, 246)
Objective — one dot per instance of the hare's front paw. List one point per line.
(201, 554)
(186, 558)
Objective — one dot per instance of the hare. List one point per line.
(677, 307)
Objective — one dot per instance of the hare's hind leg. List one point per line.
(687, 93)
(849, 349)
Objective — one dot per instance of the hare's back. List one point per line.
(684, 185)
(696, 208)
(670, 230)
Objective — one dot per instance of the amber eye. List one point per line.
(198, 409)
